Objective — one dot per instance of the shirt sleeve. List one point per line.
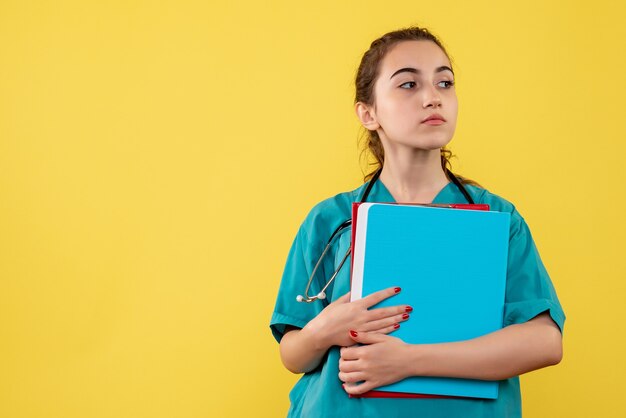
(298, 268)
(529, 290)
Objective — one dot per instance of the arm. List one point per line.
(508, 352)
(511, 351)
(301, 350)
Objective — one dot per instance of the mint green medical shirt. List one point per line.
(529, 292)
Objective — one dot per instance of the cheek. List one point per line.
(394, 114)
(453, 110)
(455, 103)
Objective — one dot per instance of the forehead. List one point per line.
(423, 55)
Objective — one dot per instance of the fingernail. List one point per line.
(397, 289)
(396, 326)
(409, 309)
(354, 333)
(405, 316)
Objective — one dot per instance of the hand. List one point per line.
(332, 325)
(382, 361)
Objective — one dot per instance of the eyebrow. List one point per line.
(416, 71)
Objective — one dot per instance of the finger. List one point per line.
(352, 377)
(348, 366)
(341, 350)
(379, 296)
(367, 337)
(380, 313)
(358, 389)
(384, 323)
(350, 353)
(387, 330)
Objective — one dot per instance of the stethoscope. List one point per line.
(347, 223)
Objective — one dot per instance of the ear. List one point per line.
(367, 116)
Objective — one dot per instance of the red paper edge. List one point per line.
(381, 394)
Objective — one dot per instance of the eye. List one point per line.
(446, 84)
(409, 84)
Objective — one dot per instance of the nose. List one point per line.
(432, 98)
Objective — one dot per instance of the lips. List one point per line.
(435, 117)
(433, 122)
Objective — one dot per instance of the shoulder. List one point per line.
(497, 203)
(329, 213)
(494, 201)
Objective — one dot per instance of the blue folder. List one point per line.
(451, 265)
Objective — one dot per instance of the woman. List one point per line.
(406, 100)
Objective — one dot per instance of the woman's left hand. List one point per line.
(382, 361)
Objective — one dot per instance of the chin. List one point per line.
(431, 143)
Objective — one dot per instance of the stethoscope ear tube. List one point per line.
(460, 186)
(368, 189)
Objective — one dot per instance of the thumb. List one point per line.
(368, 337)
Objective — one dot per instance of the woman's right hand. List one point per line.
(332, 325)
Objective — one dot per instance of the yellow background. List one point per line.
(156, 159)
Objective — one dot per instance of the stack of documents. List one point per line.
(451, 264)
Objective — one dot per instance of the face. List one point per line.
(415, 82)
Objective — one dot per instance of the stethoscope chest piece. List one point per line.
(309, 299)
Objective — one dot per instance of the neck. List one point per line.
(415, 177)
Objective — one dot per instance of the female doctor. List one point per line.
(405, 98)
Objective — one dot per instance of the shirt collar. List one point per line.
(448, 194)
